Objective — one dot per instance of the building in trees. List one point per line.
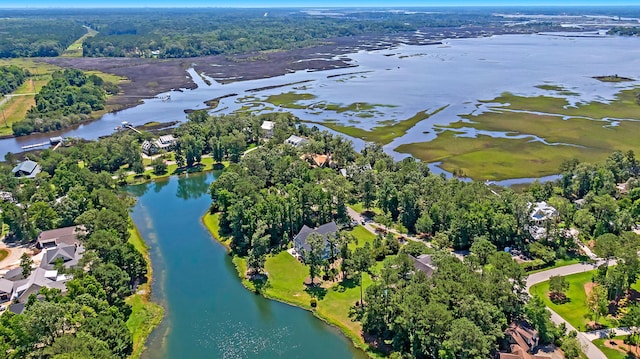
(267, 128)
(165, 143)
(326, 230)
(67, 255)
(522, 341)
(60, 236)
(424, 263)
(541, 216)
(26, 169)
(296, 141)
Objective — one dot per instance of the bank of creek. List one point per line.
(209, 314)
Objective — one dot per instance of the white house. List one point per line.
(267, 128)
(540, 215)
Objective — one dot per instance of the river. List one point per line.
(208, 313)
(397, 83)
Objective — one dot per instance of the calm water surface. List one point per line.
(209, 314)
(409, 79)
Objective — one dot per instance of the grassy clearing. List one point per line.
(3, 254)
(611, 353)
(362, 235)
(359, 207)
(145, 314)
(75, 49)
(206, 164)
(575, 311)
(286, 284)
(382, 134)
(491, 158)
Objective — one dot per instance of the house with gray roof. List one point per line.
(6, 288)
(165, 142)
(60, 236)
(296, 141)
(69, 254)
(38, 279)
(327, 230)
(424, 263)
(26, 169)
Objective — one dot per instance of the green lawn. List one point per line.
(359, 207)
(575, 311)
(362, 236)
(145, 314)
(206, 164)
(560, 263)
(610, 353)
(286, 283)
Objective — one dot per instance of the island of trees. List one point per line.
(69, 98)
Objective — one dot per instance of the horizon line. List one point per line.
(554, 5)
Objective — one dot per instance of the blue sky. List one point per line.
(296, 3)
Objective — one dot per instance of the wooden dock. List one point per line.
(35, 145)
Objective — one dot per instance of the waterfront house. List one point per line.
(267, 128)
(26, 169)
(38, 279)
(152, 147)
(327, 230)
(69, 254)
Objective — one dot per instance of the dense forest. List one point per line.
(11, 77)
(67, 99)
(266, 198)
(36, 35)
(88, 321)
(212, 32)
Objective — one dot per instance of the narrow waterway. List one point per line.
(208, 313)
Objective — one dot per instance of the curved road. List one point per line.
(589, 348)
(591, 351)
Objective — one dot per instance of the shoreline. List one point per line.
(356, 340)
(146, 314)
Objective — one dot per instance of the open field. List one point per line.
(382, 134)
(21, 100)
(584, 132)
(575, 311)
(145, 314)
(75, 49)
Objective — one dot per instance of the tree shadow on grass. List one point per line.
(316, 291)
(349, 283)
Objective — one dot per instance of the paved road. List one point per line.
(585, 339)
(590, 349)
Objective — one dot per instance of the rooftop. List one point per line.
(268, 125)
